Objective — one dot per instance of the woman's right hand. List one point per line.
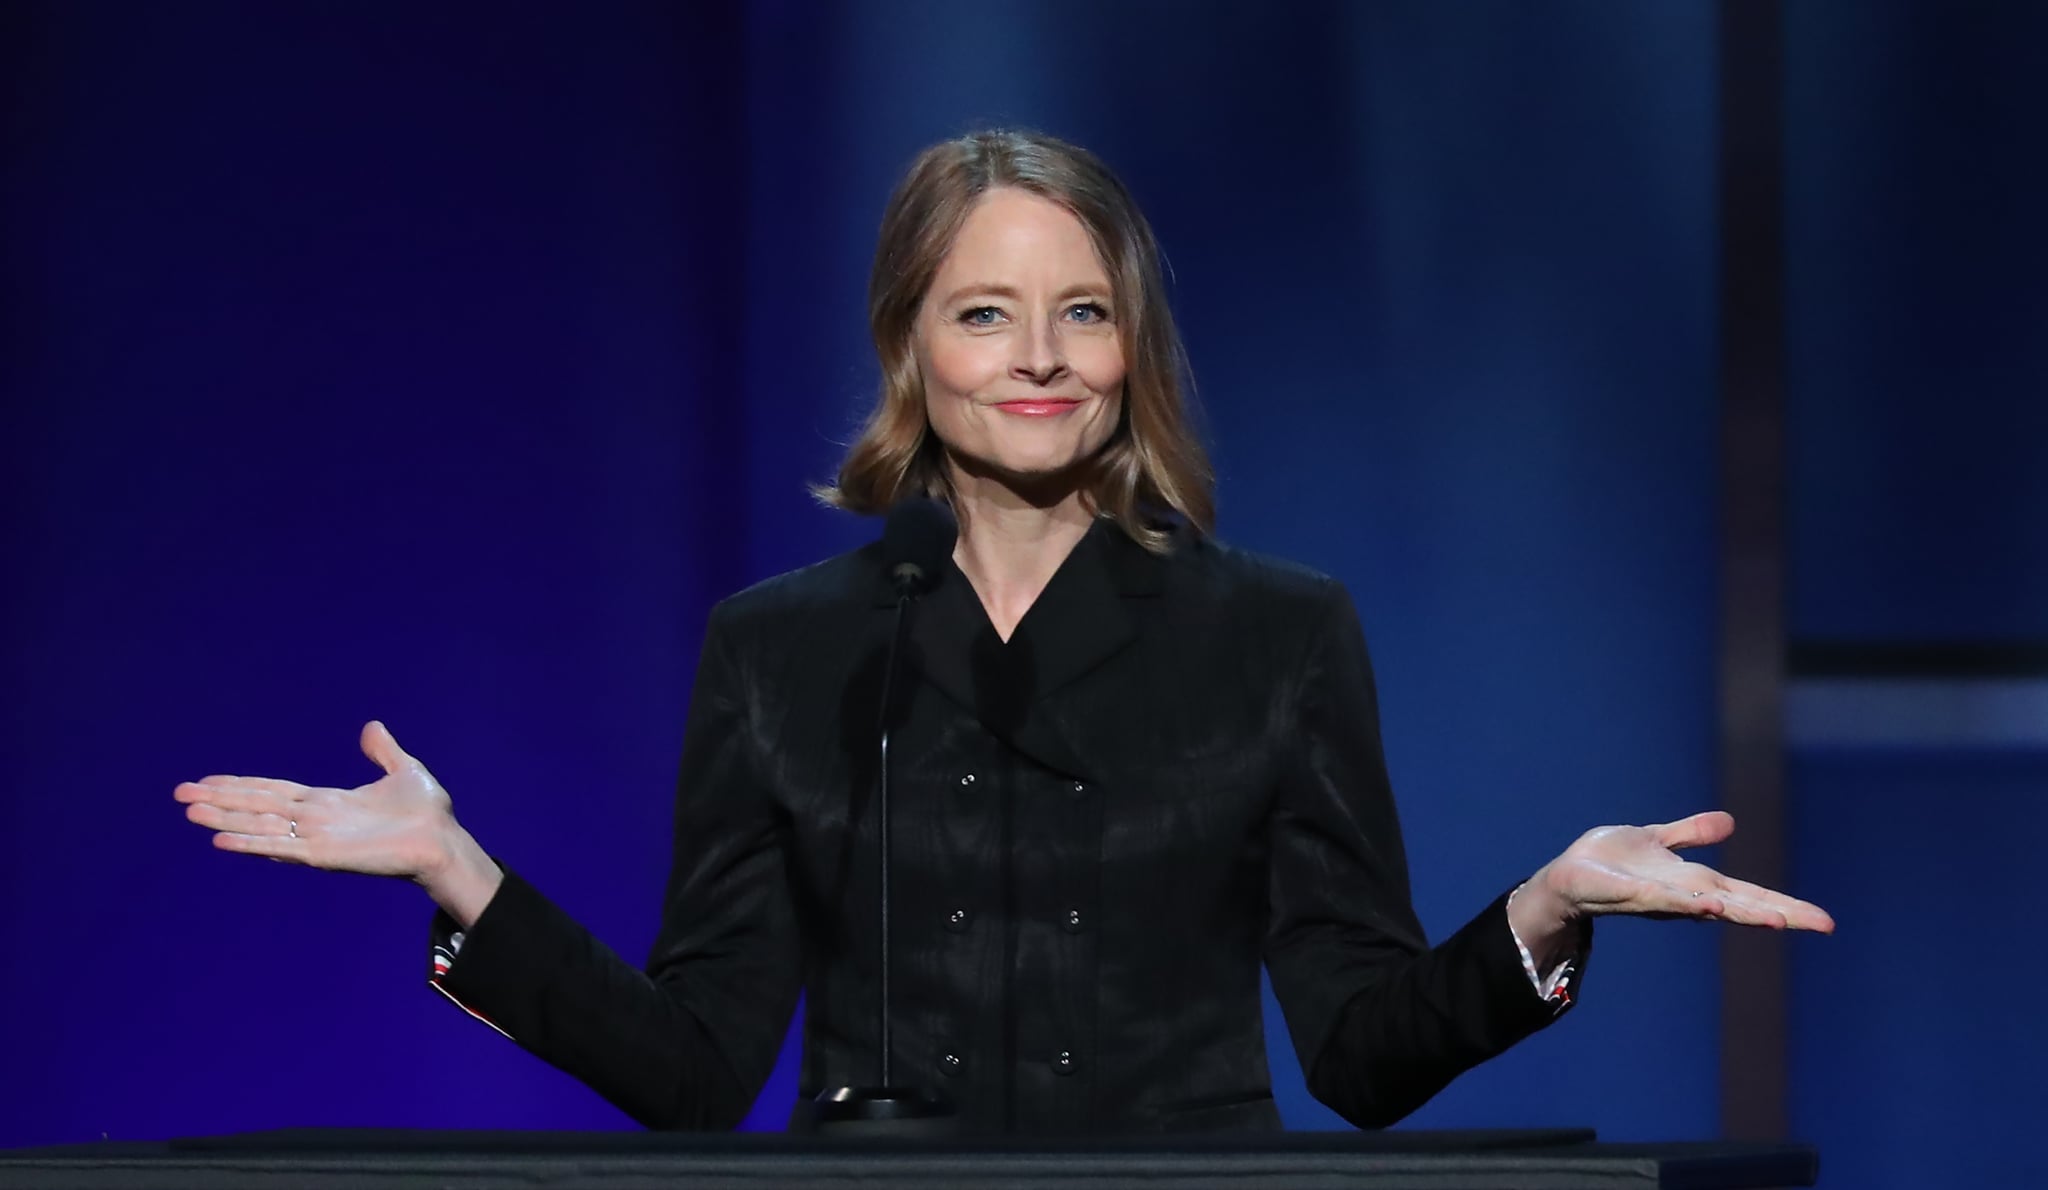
(399, 825)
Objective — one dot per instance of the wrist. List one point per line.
(1542, 918)
(460, 875)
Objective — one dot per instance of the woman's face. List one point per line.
(1023, 369)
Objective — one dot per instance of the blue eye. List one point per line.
(1087, 312)
(981, 316)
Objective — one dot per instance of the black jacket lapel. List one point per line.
(1080, 621)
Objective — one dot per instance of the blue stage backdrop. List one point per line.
(1917, 312)
(443, 365)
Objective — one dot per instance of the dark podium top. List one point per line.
(330, 1159)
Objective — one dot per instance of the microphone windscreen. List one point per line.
(917, 540)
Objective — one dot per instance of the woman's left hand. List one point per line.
(1636, 870)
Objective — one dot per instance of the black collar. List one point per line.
(1131, 569)
(1084, 617)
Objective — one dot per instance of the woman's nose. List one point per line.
(1039, 358)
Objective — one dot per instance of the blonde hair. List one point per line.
(1153, 465)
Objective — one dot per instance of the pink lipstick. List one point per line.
(1036, 408)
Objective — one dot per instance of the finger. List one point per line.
(255, 801)
(1699, 830)
(1808, 916)
(382, 747)
(1773, 911)
(1742, 912)
(1795, 913)
(202, 789)
(273, 846)
(247, 782)
(286, 789)
(238, 822)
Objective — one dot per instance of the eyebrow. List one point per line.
(985, 289)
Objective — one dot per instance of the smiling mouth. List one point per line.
(1038, 406)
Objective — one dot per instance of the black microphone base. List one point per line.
(882, 1111)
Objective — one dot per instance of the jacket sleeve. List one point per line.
(1380, 1020)
(687, 1042)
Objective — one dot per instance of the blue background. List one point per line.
(444, 366)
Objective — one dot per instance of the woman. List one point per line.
(1134, 763)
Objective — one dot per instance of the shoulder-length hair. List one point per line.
(1153, 467)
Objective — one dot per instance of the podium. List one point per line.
(357, 1159)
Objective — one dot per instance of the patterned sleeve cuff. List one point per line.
(445, 950)
(445, 944)
(1558, 987)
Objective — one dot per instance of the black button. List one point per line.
(957, 920)
(1080, 787)
(1064, 1062)
(967, 780)
(1072, 921)
(950, 1063)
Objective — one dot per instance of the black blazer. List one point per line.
(1170, 773)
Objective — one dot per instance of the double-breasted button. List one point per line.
(958, 920)
(1071, 921)
(1065, 1062)
(950, 1063)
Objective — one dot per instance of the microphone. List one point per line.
(917, 542)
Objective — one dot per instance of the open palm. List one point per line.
(394, 826)
(1637, 870)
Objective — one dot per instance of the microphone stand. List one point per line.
(886, 1109)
